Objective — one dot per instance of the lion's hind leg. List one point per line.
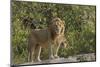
(37, 52)
(31, 55)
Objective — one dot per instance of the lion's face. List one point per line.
(57, 26)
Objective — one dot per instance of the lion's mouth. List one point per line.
(57, 32)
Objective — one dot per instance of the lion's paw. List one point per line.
(51, 57)
(56, 56)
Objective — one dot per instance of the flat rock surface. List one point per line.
(76, 58)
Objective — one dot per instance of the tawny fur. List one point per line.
(45, 38)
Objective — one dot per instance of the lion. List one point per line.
(45, 38)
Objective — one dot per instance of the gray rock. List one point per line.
(76, 58)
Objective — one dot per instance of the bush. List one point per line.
(79, 22)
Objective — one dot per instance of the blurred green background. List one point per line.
(80, 23)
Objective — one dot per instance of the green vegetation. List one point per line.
(79, 20)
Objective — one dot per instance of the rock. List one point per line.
(76, 58)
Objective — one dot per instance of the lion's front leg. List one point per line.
(51, 51)
(56, 48)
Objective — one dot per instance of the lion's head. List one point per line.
(57, 27)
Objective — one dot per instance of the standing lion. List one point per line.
(45, 38)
